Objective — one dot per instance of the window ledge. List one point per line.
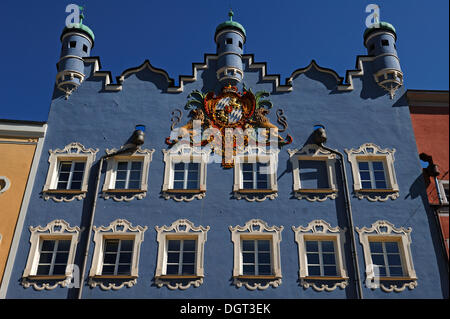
(185, 191)
(124, 191)
(43, 277)
(395, 278)
(316, 190)
(377, 190)
(125, 277)
(256, 191)
(266, 277)
(65, 191)
(325, 278)
(179, 277)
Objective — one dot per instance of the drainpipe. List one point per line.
(136, 140)
(320, 138)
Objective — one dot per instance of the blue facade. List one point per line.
(100, 116)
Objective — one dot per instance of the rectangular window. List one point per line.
(70, 175)
(385, 43)
(128, 175)
(321, 258)
(72, 44)
(372, 175)
(256, 258)
(229, 41)
(53, 256)
(85, 48)
(117, 257)
(240, 44)
(313, 174)
(255, 176)
(186, 176)
(386, 256)
(181, 256)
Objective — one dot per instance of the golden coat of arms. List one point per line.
(225, 113)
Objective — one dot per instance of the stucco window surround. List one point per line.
(371, 153)
(256, 229)
(320, 231)
(313, 152)
(443, 187)
(142, 156)
(57, 230)
(180, 230)
(256, 155)
(73, 152)
(119, 230)
(5, 184)
(184, 154)
(384, 232)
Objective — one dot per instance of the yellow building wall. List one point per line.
(15, 164)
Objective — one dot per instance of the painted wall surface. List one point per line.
(98, 118)
(15, 164)
(431, 125)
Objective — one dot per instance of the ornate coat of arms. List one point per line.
(225, 112)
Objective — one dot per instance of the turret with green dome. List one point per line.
(380, 40)
(77, 40)
(230, 38)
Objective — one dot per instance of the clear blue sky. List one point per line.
(174, 34)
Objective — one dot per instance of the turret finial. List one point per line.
(81, 14)
(230, 14)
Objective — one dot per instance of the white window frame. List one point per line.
(319, 230)
(371, 152)
(256, 229)
(118, 229)
(181, 229)
(71, 171)
(186, 154)
(109, 191)
(383, 230)
(312, 152)
(55, 230)
(442, 185)
(254, 155)
(74, 152)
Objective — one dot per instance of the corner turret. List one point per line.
(380, 41)
(77, 41)
(230, 38)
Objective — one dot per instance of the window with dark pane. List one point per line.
(70, 175)
(181, 256)
(186, 176)
(53, 256)
(321, 258)
(313, 174)
(386, 256)
(256, 258)
(117, 257)
(72, 44)
(372, 175)
(255, 175)
(128, 175)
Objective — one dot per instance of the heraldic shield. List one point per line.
(227, 112)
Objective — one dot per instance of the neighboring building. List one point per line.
(430, 119)
(20, 149)
(140, 212)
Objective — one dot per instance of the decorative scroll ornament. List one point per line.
(259, 228)
(220, 115)
(182, 228)
(384, 229)
(56, 229)
(321, 229)
(120, 228)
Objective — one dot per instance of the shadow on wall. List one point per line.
(418, 189)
